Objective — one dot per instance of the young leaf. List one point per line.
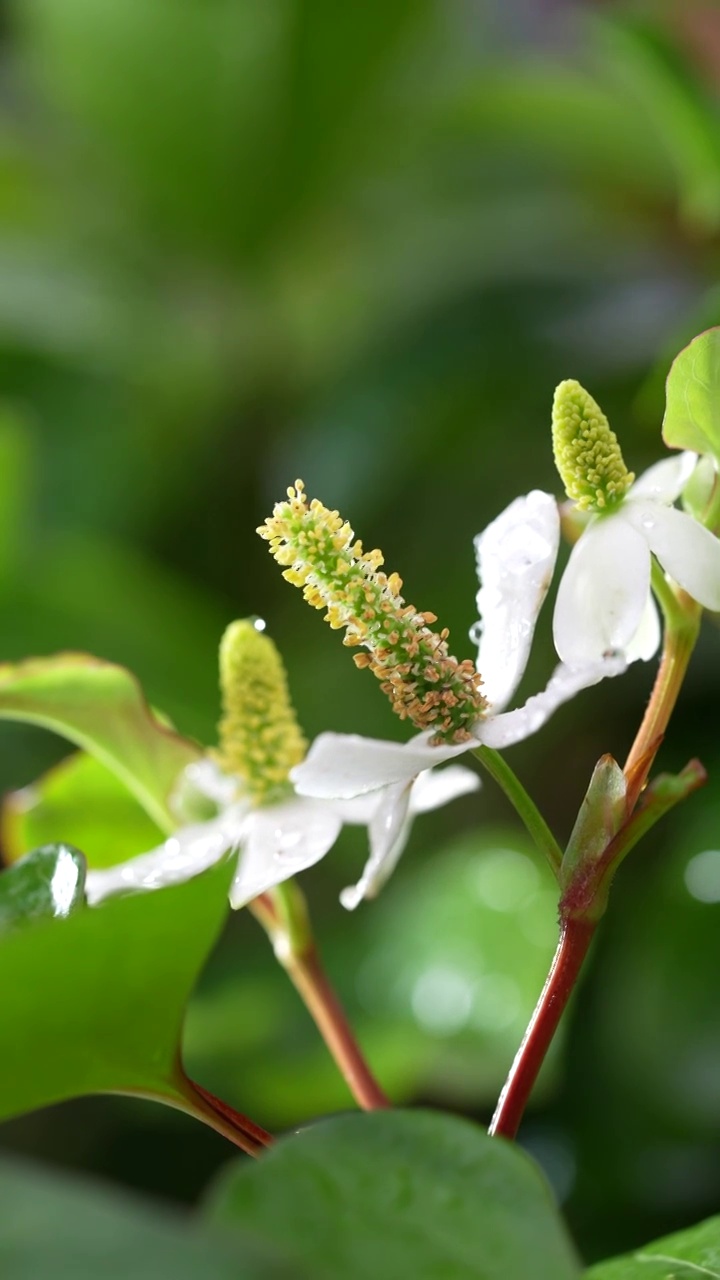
(55, 1228)
(687, 1255)
(602, 813)
(82, 802)
(94, 1002)
(100, 707)
(400, 1194)
(692, 412)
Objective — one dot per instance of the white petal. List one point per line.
(515, 558)
(388, 813)
(357, 811)
(603, 592)
(388, 833)
(646, 641)
(686, 550)
(513, 726)
(207, 778)
(186, 854)
(278, 842)
(342, 765)
(435, 787)
(665, 481)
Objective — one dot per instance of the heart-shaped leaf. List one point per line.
(687, 1255)
(400, 1194)
(54, 1228)
(93, 1002)
(82, 802)
(100, 707)
(692, 412)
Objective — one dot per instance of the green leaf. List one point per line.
(47, 884)
(692, 413)
(400, 1194)
(54, 1228)
(82, 802)
(100, 707)
(94, 1002)
(687, 1255)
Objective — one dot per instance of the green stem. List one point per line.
(525, 808)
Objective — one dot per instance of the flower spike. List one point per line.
(587, 453)
(424, 683)
(259, 736)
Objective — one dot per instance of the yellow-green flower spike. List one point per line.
(259, 737)
(587, 453)
(424, 683)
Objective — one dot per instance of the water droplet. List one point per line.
(64, 883)
(647, 522)
(287, 844)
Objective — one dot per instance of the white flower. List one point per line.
(515, 555)
(604, 602)
(276, 841)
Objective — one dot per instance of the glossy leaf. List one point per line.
(400, 1194)
(100, 707)
(94, 1002)
(47, 884)
(82, 802)
(686, 1255)
(54, 1228)
(692, 413)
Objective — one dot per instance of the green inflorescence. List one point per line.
(587, 453)
(424, 683)
(260, 740)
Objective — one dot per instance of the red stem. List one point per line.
(575, 939)
(312, 983)
(238, 1128)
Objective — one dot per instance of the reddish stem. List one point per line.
(575, 939)
(312, 983)
(283, 915)
(247, 1135)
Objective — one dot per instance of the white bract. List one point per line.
(515, 557)
(276, 841)
(604, 603)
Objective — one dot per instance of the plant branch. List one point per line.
(283, 914)
(682, 624)
(188, 1096)
(523, 805)
(575, 939)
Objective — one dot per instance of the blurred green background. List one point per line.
(242, 242)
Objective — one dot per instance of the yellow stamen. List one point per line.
(421, 678)
(587, 453)
(260, 739)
